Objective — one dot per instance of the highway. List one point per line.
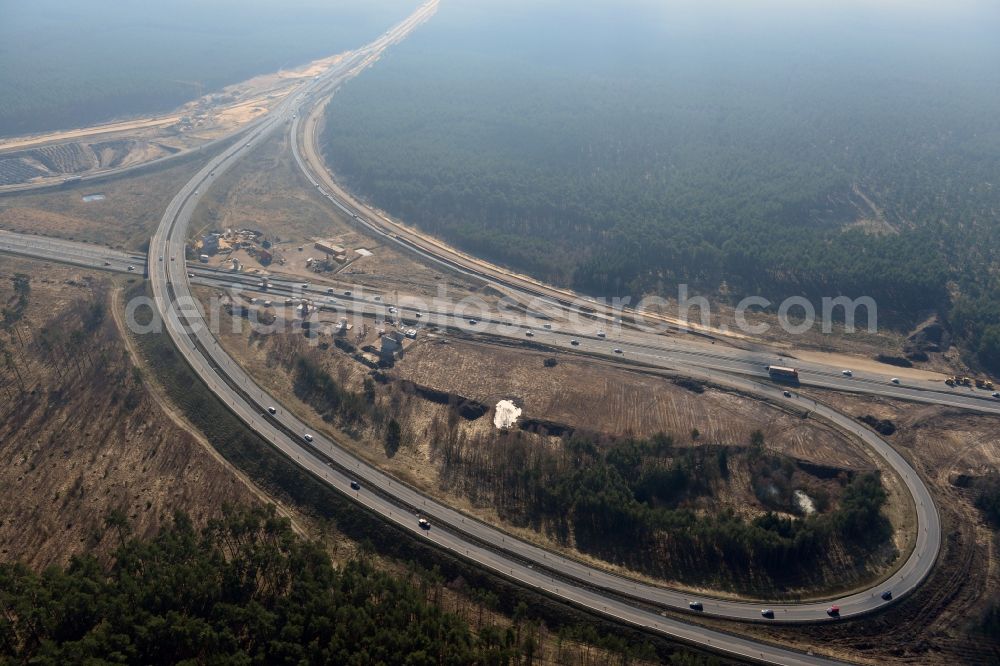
(664, 351)
(488, 547)
(513, 558)
(560, 577)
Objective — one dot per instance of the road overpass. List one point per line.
(552, 574)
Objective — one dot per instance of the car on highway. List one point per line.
(894, 380)
(847, 373)
(833, 611)
(602, 334)
(131, 268)
(417, 315)
(161, 257)
(355, 485)
(272, 410)
(472, 322)
(547, 327)
(768, 613)
(695, 605)
(529, 333)
(575, 342)
(618, 350)
(107, 263)
(424, 524)
(330, 290)
(376, 298)
(787, 394)
(347, 293)
(307, 437)
(996, 394)
(305, 285)
(887, 595)
(190, 275)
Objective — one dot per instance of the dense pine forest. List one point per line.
(654, 507)
(246, 589)
(623, 150)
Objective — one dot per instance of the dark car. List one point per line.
(273, 410)
(355, 485)
(424, 524)
(833, 611)
(887, 595)
(768, 613)
(695, 605)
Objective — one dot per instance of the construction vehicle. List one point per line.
(965, 381)
(950, 381)
(980, 383)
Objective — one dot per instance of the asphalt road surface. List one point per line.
(558, 576)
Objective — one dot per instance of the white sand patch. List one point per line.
(804, 502)
(506, 414)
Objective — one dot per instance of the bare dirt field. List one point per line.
(82, 433)
(125, 218)
(603, 399)
(267, 193)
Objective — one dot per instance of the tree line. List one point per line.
(245, 589)
(623, 184)
(635, 502)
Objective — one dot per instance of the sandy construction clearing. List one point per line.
(20, 143)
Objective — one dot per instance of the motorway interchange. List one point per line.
(558, 576)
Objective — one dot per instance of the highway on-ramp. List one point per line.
(530, 565)
(915, 568)
(558, 576)
(523, 562)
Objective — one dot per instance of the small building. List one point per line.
(328, 247)
(392, 345)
